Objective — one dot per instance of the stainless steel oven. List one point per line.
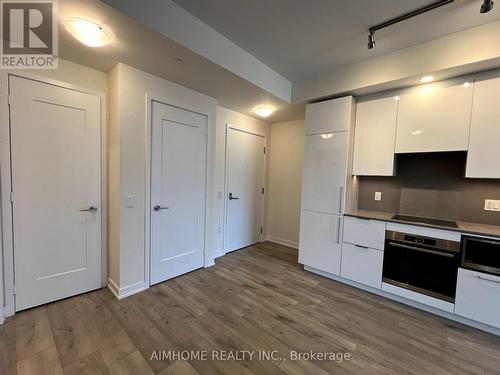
(481, 254)
(422, 264)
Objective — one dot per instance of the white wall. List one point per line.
(285, 182)
(250, 124)
(128, 147)
(68, 73)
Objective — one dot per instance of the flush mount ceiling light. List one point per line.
(404, 17)
(87, 32)
(426, 79)
(264, 111)
(466, 84)
(487, 6)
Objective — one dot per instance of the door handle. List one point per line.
(90, 209)
(487, 279)
(339, 228)
(341, 194)
(231, 197)
(158, 208)
(422, 250)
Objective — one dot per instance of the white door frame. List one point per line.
(150, 98)
(264, 180)
(5, 173)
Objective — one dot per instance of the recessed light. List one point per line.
(426, 79)
(87, 32)
(396, 98)
(264, 111)
(326, 136)
(466, 84)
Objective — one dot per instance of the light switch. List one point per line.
(130, 201)
(491, 205)
(378, 195)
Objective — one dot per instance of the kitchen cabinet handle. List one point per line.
(487, 279)
(340, 199)
(339, 229)
(362, 247)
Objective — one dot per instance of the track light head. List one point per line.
(487, 6)
(371, 41)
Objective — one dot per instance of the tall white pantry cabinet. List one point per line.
(329, 134)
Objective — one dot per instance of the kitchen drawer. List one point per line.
(362, 264)
(364, 232)
(478, 297)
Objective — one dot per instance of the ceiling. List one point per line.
(305, 38)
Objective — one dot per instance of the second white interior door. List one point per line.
(178, 170)
(245, 189)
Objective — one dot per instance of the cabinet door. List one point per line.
(374, 137)
(329, 116)
(362, 264)
(320, 243)
(434, 118)
(483, 158)
(324, 175)
(478, 297)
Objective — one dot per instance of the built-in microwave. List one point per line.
(481, 254)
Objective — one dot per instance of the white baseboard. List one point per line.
(126, 291)
(418, 305)
(2, 316)
(210, 263)
(282, 241)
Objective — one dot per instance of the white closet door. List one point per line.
(325, 169)
(56, 175)
(245, 183)
(178, 170)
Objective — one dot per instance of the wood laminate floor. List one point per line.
(256, 299)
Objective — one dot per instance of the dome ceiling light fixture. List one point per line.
(413, 13)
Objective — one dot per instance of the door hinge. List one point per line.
(9, 99)
(11, 197)
(15, 289)
(260, 230)
(262, 190)
(264, 150)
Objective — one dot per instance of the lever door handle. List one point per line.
(90, 209)
(231, 197)
(158, 208)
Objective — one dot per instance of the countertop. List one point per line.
(464, 227)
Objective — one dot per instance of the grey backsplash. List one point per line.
(431, 185)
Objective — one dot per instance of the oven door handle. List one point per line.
(408, 247)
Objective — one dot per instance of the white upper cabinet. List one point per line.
(324, 175)
(483, 158)
(434, 118)
(375, 136)
(329, 116)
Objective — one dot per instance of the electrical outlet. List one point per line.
(491, 205)
(378, 195)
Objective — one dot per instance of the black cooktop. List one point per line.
(426, 220)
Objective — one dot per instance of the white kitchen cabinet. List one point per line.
(375, 136)
(320, 244)
(329, 116)
(483, 158)
(478, 297)
(364, 232)
(324, 173)
(434, 118)
(362, 264)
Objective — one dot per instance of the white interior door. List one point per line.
(56, 158)
(245, 184)
(178, 171)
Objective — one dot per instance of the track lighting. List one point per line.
(371, 41)
(487, 6)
